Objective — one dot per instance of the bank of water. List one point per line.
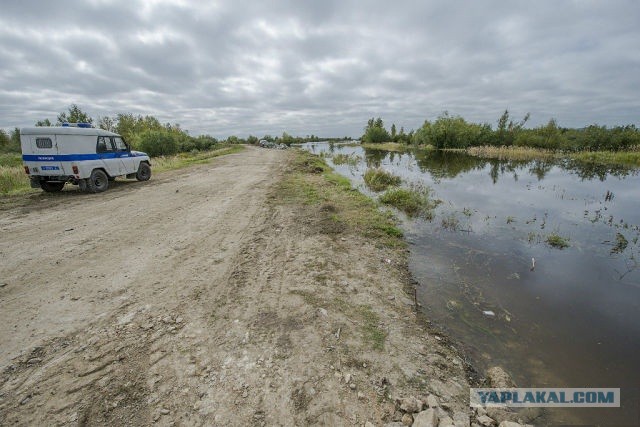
(552, 317)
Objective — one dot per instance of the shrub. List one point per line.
(380, 180)
(556, 241)
(158, 142)
(415, 202)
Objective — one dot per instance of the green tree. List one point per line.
(45, 122)
(107, 123)
(508, 130)
(375, 132)
(10, 142)
(393, 131)
(5, 140)
(74, 115)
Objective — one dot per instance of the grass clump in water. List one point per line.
(380, 180)
(556, 241)
(341, 159)
(451, 222)
(414, 201)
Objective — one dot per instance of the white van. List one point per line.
(81, 155)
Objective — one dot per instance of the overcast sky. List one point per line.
(320, 67)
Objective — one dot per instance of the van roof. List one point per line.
(61, 130)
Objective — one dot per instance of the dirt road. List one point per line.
(194, 299)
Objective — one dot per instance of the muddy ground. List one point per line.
(202, 298)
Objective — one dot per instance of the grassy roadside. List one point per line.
(13, 180)
(181, 160)
(343, 208)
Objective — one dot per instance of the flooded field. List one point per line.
(494, 275)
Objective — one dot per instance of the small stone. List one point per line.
(427, 418)
(407, 420)
(25, 400)
(34, 360)
(352, 386)
(485, 421)
(445, 422)
(481, 411)
(360, 395)
(461, 419)
(432, 401)
(245, 394)
(410, 405)
(499, 378)
(391, 297)
(347, 378)
(178, 319)
(164, 411)
(323, 312)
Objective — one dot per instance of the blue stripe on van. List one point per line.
(71, 157)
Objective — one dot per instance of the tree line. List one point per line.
(449, 131)
(147, 133)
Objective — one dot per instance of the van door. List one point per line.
(44, 158)
(124, 154)
(107, 153)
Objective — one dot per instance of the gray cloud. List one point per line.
(320, 67)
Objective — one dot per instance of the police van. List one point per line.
(81, 155)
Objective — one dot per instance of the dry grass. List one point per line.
(13, 180)
(511, 153)
(625, 158)
(387, 146)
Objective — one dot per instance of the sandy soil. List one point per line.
(199, 299)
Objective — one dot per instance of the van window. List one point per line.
(120, 145)
(104, 144)
(44, 143)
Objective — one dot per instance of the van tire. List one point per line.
(51, 187)
(144, 172)
(98, 181)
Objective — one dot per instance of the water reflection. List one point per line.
(574, 319)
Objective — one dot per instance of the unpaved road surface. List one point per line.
(193, 299)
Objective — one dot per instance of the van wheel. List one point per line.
(144, 172)
(51, 187)
(98, 181)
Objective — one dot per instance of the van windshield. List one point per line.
(120, 144)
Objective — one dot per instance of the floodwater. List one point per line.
(561, 317)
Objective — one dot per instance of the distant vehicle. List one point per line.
(267, 144)
(81, 155)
